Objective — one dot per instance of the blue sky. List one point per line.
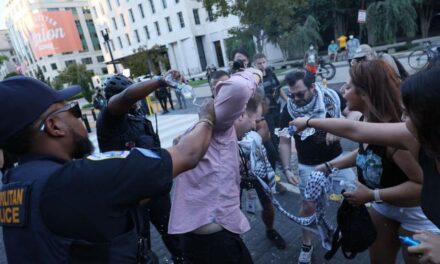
(2, 15)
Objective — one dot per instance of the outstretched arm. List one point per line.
(388, 134)
(192, 146)
(121, 103)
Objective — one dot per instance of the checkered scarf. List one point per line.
(324, 102)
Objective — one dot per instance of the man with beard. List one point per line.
(57, 207)
(314, 147)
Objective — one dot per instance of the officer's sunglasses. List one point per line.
(72, 108)
(299, 95)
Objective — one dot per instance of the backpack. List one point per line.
(355, 232)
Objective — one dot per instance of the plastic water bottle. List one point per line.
(348, 186)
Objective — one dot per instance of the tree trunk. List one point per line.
(425, 15)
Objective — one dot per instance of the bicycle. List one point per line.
(420, 57)
(326, 70)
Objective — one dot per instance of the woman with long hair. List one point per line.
(419, 134)
(390, 178)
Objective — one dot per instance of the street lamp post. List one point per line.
(106, 37)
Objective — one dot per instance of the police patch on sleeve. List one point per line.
(14, 204)
(148, 153)
(109, 155)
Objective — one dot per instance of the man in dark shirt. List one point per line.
(79, 210)
(314, 147)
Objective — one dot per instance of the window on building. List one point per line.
(123, 20)
(196, 16)
(93, 34)
(100, 58)
(136, 34)
(210, 15)
(177, 1)
(167, 19)
(69, 62)
(86, 60)
(157, 28)
(95, 14)
(112, 44)
(86, 10)
(101, 8)
(128, 39)
(81, 36)
(44, 68)
(130, 11)
(118, 3)
(120, 42)
(109, 5)
(104, 70)
(164, 3)
(147, 32)
(181, 21)
(153, 10)
(53, 9)
(114, 23)
(141, 10)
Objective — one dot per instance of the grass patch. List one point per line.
(197, 83)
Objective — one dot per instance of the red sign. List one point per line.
(362, 16)
(53, 32)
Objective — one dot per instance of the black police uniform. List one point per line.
(134, 130)
(79, 211)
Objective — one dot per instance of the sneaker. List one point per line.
(305, 257)
(276, 238)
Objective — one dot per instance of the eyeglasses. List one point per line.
(72, 108)
(299, 95)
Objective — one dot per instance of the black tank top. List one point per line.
(372, 164)
(431, 188)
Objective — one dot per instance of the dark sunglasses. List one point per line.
(299, 95)
(72, 108)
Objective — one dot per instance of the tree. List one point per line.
(385, 18)
(11, 74)
(147, 61)
(76, 74)
(425, 10)
(3, 58)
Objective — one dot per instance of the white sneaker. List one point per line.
(305, 257)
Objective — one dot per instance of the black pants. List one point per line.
(219, 248)
(171, 100)
(157, 212)
(163, 103)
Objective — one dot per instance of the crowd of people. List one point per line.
(60, 203)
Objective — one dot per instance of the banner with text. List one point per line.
(54, 32)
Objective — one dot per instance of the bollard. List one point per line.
(94, 114)
(86, 123)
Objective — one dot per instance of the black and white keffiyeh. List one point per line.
(324, 103)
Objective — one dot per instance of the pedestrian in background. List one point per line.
(332, 51)
(352, 45)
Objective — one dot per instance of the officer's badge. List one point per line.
(109, 155)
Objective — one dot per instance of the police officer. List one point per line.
(57, 207)
(122, 126)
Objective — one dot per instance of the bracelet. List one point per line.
(307, 122)
(377, 196)
(205, 120)
(329, 166)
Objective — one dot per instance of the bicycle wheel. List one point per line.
(418, 59)
(327, 71)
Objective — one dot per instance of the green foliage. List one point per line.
(296, 42)
(76, 74)
(386, 18)
(11, 74)
(240, 38)
(3, 58)
(147, 61)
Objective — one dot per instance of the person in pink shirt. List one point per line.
(206, 204)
